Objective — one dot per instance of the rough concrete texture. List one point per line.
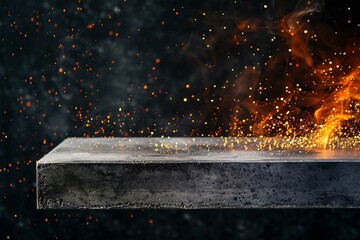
(193, 173)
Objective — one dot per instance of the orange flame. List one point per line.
(324, 81)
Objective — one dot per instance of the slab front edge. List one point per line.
(152, 173)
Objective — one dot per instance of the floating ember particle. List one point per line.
(90, 26)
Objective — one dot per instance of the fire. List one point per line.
(340, 106)
(310, 86)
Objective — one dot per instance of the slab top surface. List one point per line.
(173, 150)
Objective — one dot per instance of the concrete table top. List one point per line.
(192, 173)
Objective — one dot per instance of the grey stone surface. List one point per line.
(189, 173)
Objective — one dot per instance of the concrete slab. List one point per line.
(193, 173)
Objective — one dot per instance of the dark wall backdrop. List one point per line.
(135, 68)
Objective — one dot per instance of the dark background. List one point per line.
(90, 68)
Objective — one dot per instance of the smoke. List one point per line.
(304, 8)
